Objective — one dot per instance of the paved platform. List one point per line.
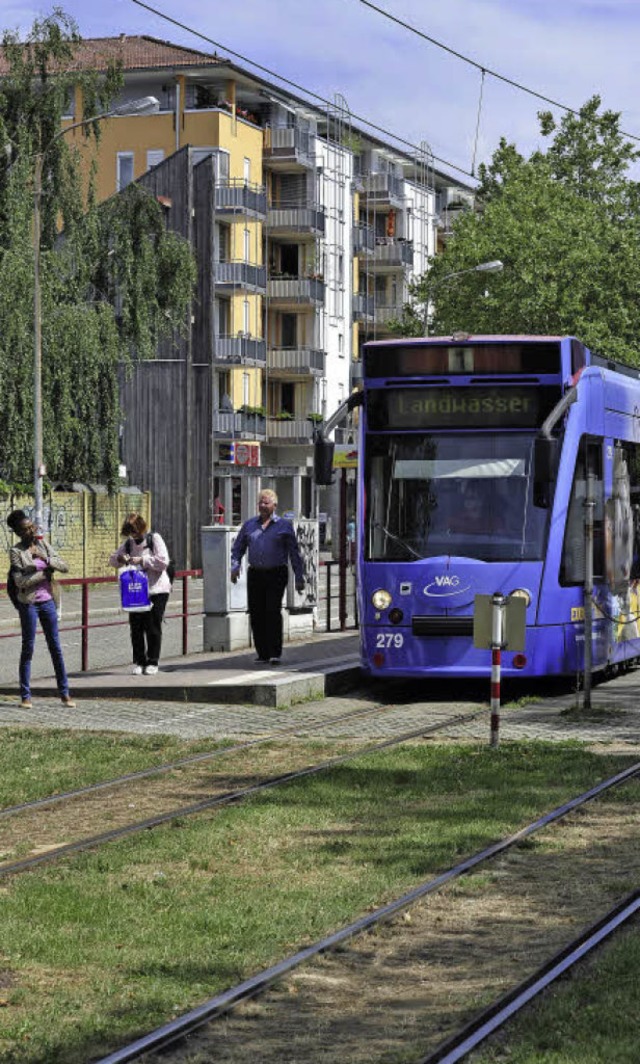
(310, 669)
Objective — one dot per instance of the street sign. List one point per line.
(514, 626)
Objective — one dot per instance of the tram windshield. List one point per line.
(468, 495)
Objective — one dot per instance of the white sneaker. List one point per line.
(136, 670)
(151, 670)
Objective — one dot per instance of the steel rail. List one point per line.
(216, 1006)
(209, 803)
(206, 755)
(490, 1019)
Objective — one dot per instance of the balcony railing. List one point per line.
(238, 274)
(385, 312)
(296, 430)
(305, 361)
(364, 239)
(239, 425)
(383, 188)
(300, 219)
(240, 349)
(241, 197)
(285, 290)
(392, 253)
(289, 144)
(363, 307)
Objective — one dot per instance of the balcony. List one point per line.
(288, 147)
(363, 307)
(364, 239)
(386, 312)
(296, 430)
(382, 189)
(241, 197)
(235, 273)
(298, 220)
(296, 362)
(391, 253)
(295, 291)
(239, 425)
(239, 350)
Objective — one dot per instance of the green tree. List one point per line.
(113, 280)
(566, 225)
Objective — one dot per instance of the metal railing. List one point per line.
(299, 360)
(345, 598)
(85, 626)
(239, 349)
(240, 197)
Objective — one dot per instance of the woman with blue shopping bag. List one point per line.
(144, 586)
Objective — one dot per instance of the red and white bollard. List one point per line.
(498, 603)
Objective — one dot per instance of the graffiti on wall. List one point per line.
(85, 535)
(308, 542)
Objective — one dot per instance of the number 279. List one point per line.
(385, 640)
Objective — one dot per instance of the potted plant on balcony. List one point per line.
(284, 415)
(317, 419)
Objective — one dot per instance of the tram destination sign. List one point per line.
(485, 406)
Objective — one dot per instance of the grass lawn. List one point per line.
(104, 946)
(36, 762)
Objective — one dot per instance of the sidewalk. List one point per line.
(314, 668)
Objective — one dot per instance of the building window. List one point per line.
(154, 158)
(247, 170)
(246, 317)
(245, 390)
(341, 345)
(124, 172)
(247, 246)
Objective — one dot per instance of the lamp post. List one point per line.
(495, 266)
(144, 105)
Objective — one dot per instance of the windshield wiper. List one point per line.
(396, 539)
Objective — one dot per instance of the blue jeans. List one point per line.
(48, 615)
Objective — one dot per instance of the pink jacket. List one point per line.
(154, 562)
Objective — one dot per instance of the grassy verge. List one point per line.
(35, 762)
(107, 945)
(590, 1017)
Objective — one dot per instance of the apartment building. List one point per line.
(307, 233)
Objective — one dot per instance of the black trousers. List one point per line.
(265, 588)
(146, 632)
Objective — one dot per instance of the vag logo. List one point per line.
(445, 585)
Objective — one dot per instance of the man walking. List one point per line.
(271, 542)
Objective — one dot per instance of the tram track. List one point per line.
(54, 852)
(174, 1033)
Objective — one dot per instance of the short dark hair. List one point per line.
(15, 519)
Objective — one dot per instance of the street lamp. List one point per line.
(495, 266)
(142, 106)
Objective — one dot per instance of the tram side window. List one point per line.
(633, 462)
(572, 568)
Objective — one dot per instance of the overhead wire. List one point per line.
(299, 88)
(479, 66)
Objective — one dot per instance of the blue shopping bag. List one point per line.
(134, 589)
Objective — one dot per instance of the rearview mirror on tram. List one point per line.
(323, 460)
(545, 464)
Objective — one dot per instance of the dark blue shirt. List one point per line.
(268, 547)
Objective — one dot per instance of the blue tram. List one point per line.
(476, 456)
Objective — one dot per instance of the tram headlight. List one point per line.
(381, 599)
(521, 592)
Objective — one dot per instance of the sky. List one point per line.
(566, 50)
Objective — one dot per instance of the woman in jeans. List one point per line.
(33, 563)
